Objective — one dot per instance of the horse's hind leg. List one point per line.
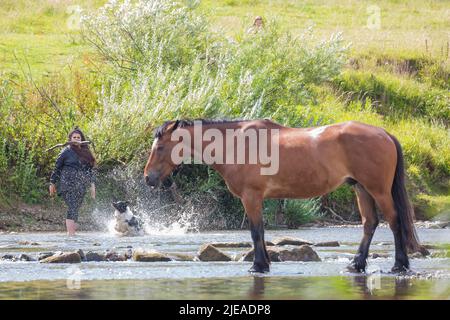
(253, 208)
(369, 219)
(386, 205)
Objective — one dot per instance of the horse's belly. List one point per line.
(303, 186)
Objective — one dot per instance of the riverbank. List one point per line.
(51, 218)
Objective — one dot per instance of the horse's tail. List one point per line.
(404, 209)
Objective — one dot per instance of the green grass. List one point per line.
(41, 29)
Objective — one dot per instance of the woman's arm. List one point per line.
(56, 174)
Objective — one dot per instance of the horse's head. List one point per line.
(159, 164)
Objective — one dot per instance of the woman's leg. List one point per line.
(73, 199)
(71, 227)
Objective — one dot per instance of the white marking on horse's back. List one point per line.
(316, 132)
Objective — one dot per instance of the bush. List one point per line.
(18, 173)
(298, 212)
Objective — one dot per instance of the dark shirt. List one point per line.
(70, 173)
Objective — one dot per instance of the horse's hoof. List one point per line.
(356, 266)
(259, 269)
(399, 269)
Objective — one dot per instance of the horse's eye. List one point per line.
(159, 148)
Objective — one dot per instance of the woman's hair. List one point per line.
(84, 153)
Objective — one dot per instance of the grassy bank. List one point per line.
(202, 62)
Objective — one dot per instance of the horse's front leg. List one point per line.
(253, 207)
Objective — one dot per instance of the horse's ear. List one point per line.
(175, 125)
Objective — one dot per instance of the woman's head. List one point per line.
(76, 135)
(83, 151)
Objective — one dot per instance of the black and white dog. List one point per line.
(126, 223)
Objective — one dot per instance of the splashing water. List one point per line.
(182, 225)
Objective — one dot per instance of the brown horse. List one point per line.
(311, 163)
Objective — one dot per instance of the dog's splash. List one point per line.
(183, 225)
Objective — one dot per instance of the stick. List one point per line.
(335, 215)
(68, 143)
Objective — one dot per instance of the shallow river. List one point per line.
(327, 279)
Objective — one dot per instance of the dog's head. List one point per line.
(121, 206)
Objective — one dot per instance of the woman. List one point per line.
(74, 172)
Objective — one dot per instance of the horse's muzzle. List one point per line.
(152, 180)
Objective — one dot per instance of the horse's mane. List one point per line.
(187, 123)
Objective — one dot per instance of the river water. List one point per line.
(328, 279)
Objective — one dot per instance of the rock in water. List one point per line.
(44, 255)
(114, 256)
(327, 244)
(63, 257)
(181, 256)
(302, 253)
(274, 254)
(290, 241)
(94, 256)
(208, 252)
(149, 256)
(25, 257)
(7, 257)
(231, 244)
(82, 255)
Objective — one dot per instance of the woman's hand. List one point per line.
(93, 191)
(52, 189)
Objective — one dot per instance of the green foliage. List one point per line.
(398, 98)
(18, 172)
(294, 212)
(298, 212)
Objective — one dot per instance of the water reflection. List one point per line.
(257, 290)
(253, 287)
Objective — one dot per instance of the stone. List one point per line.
(181, 257)
(302, 253)
(128, 254)
(82, 255)
(63, 257)
(114, 256)
(208, 252)
(149, 256)
(290, 241)
(438, 224)
(377, 255)
(274, 254)
(7, 257)
(327, 244)
(440, 254)
(416, 255)
(25, 257)
(231, 244)
(28, 243)
(44, 255)
(94, 256)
